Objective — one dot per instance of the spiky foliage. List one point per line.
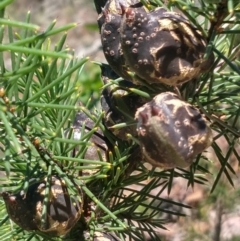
(40, 93)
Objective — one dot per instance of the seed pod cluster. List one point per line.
(162, 46)
(118, 104)
(63, 211)
(97, 140)
(158, 46)
(163, 49)
(109, 23)
(171, 131)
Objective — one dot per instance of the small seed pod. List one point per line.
(171, 131)
(111, 45)
(109, 23)
(123, 112)
(162, 47)
(119, 105)
(63, 211)
(97, 140)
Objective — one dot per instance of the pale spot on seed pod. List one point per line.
(142, 34)
(177, 130)
(136, 45)
(77, 135)
(134, 35)
(140, 61)
(134, 50)
(145, 61)
(127, 42)
(134, 29)
(147, 37)
(153, 35)
(12, 198)
(112, 52)
(177, 123)
(141, 131)
(191, 149)
(186, 122)
(140, 39)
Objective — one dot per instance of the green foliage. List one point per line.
(41, 88)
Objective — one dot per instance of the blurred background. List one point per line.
(84, 38)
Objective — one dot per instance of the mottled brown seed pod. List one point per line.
(111, 45)
(62, 211)
(97, 140)
(122, 109)
(119, 105)
(171, 131)
(109, 23)
(162, 47)
(115, 7)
